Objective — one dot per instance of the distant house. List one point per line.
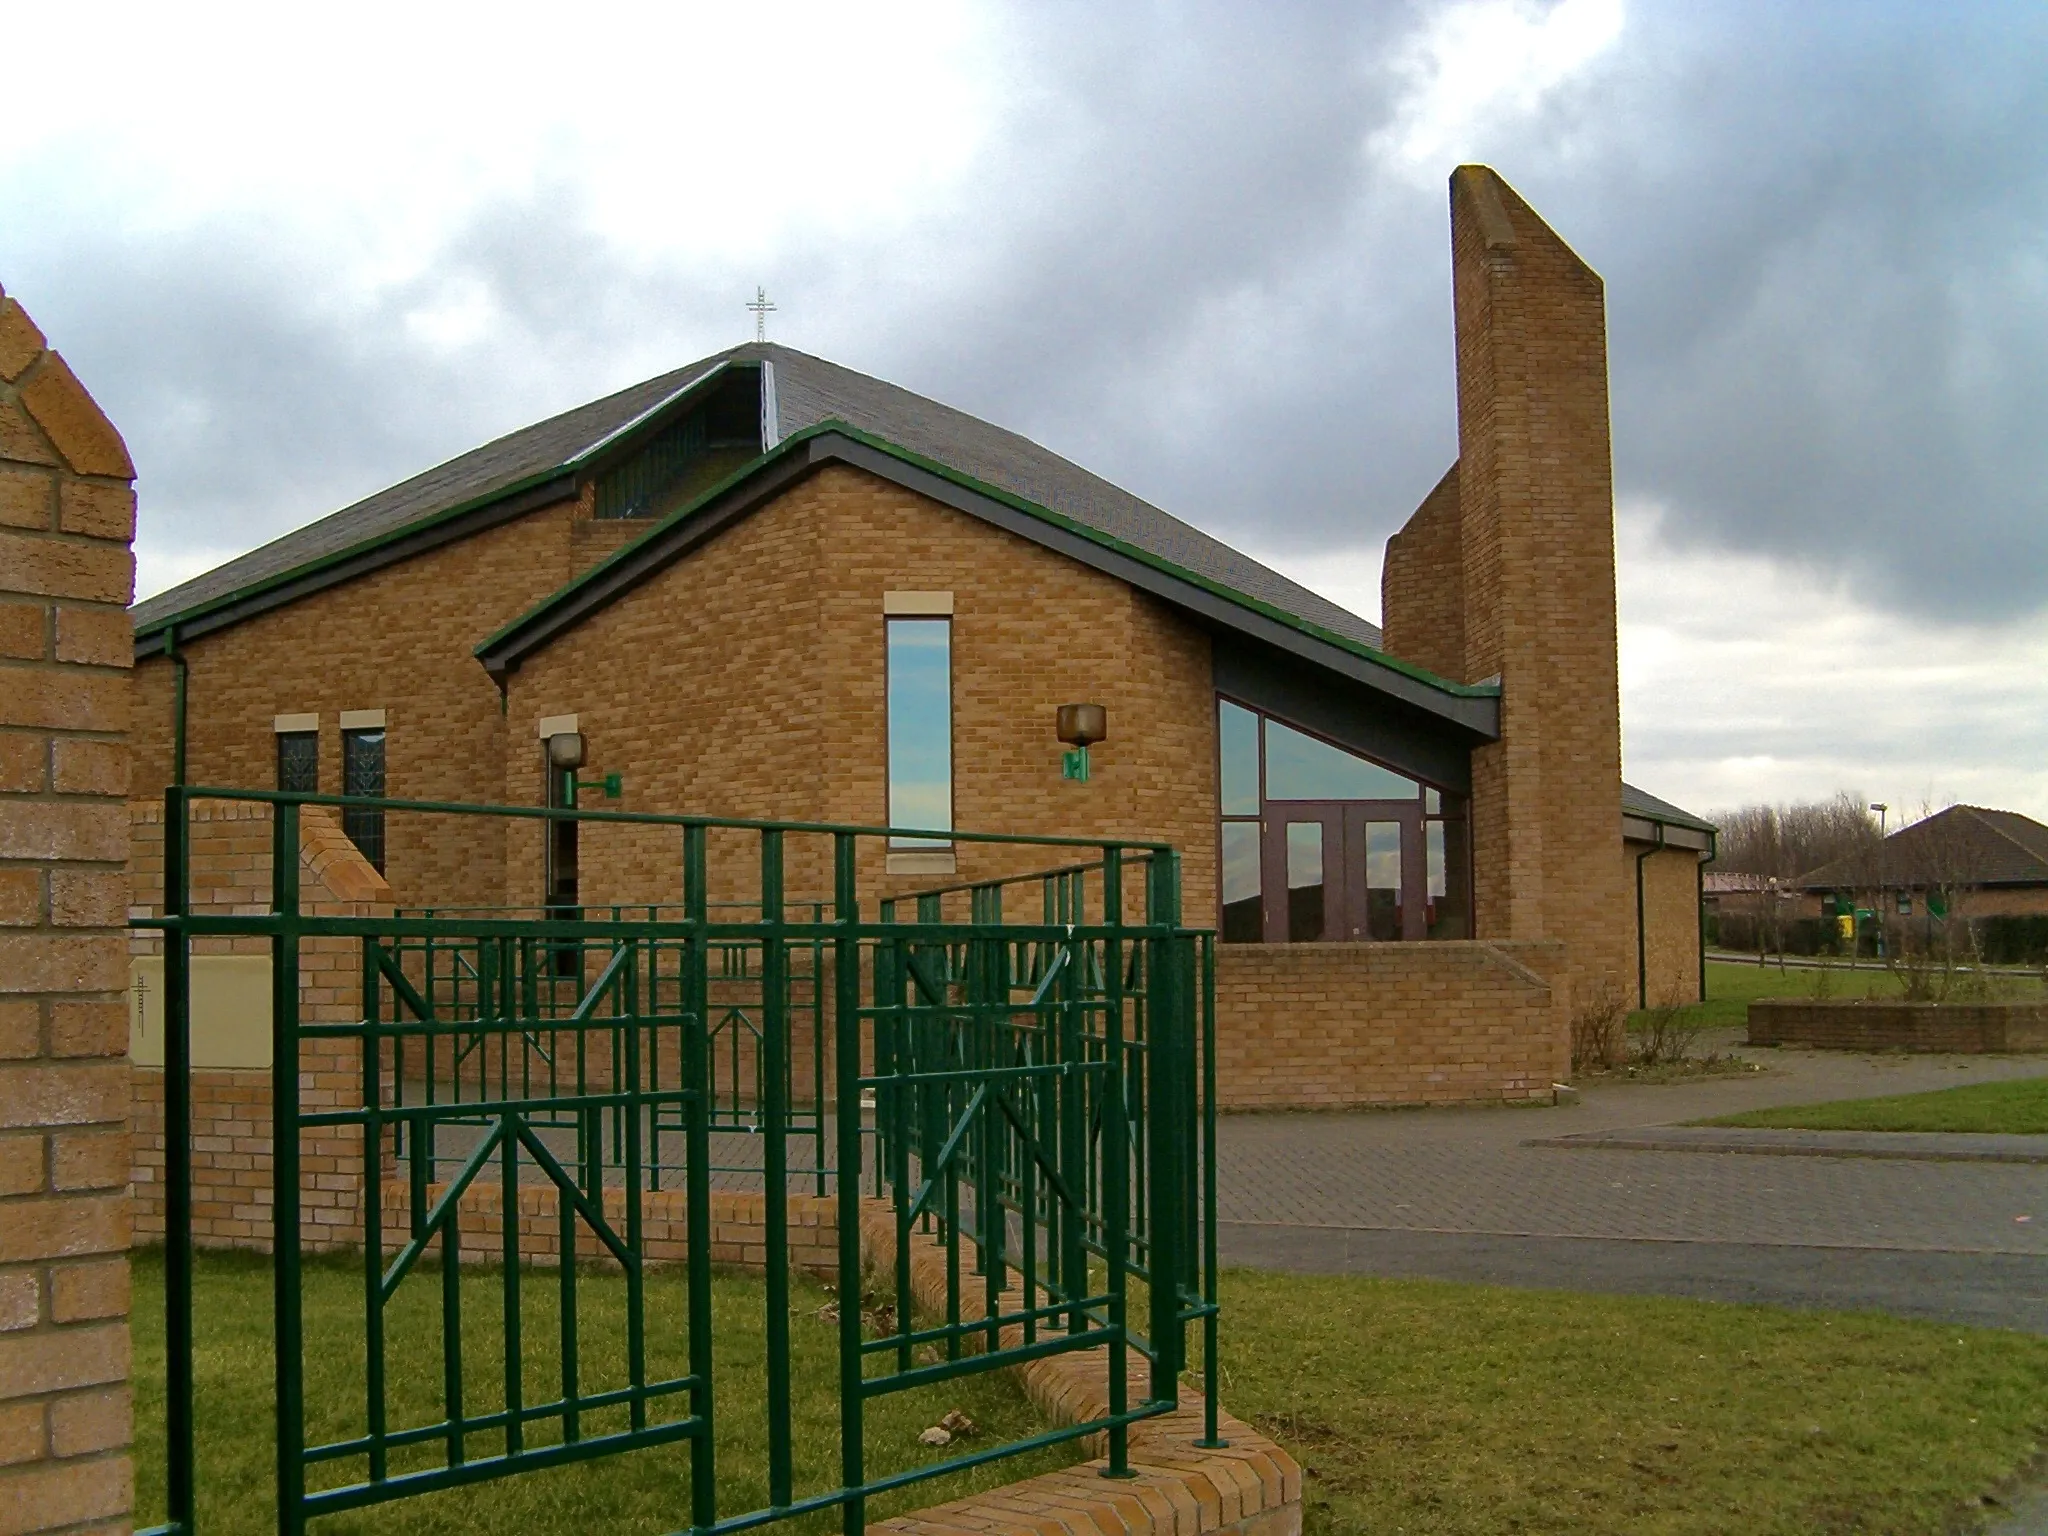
(1977, 862)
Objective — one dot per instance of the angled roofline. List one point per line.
(449, 525)
(1474, 708)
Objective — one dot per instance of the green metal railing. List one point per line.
(1015, 1074)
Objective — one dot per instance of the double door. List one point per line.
(1343, 870)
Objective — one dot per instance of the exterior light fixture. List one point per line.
(566, 752)
(1080, 726)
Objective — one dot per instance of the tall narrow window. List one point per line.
(563, 882)
(920, 686)
(298, 762)
(362, 773)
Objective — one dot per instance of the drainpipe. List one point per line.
(178, 677)
(1699, 877)
(1642, 933)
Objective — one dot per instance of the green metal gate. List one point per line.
(1010, 1077)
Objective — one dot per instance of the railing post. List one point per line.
(177, 1165)
(774, 1078)
(1169, 1036)
(1207, 1110)
(284, 1167)
(846, 1110)
(696, 987)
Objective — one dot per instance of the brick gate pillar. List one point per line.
(67, 516)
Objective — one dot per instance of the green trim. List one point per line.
(833, 425)
(618, 441)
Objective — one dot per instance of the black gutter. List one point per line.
(1642, 930)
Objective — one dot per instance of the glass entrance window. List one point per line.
(1318, 842)
(1306, 908)
(1383, 879)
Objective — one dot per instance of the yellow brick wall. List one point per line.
(400, 640)
(1333, 1026)
(748, 680)
(1671, 958)
(228, 855)
(1422, 591)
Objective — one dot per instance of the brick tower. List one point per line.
(1507, 570)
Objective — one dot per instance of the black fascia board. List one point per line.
(391, 551)
(1480, 716)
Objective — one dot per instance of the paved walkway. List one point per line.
(1462, 1194)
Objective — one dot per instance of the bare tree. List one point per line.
(1785, 841)
(1779, 843)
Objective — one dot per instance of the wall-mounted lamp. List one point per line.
(566, 755)
(1080, 727)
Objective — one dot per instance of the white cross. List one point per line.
(762, 309)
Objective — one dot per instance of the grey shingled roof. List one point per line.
(808, 390)
(1636, 802)
(507, 461)
(1965, 844)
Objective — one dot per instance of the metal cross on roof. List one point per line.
(762, 309)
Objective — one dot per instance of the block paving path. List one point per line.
(1463, 1194)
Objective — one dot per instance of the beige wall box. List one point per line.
(555, 725)
(933, 861)
(917, 604)
(362, 719)
(230, 1011)
(283, 723)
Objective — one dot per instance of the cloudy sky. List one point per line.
(302, 252)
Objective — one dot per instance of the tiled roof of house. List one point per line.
(1963, 845)
(1635, 802)
(808, 390)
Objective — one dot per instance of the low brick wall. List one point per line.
(1965, 1029)
(1329, 1026)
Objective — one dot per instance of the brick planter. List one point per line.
(1861, 1025)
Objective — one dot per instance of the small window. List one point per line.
(362, 773)
(1905, 903)
(298, 762)
(1238, 729)
(920, 699)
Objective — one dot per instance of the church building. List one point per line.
(766, 585)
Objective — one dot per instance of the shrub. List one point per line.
(1600, 1029)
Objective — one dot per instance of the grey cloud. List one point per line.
(1822, 231)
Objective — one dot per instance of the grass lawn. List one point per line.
(2017, 1108)
(640, 1491)
(1419, 1406)
(1453, 1409)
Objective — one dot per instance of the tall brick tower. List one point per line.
(1507, 570)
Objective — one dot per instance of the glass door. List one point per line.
(1302, 868)
(1386, 870)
